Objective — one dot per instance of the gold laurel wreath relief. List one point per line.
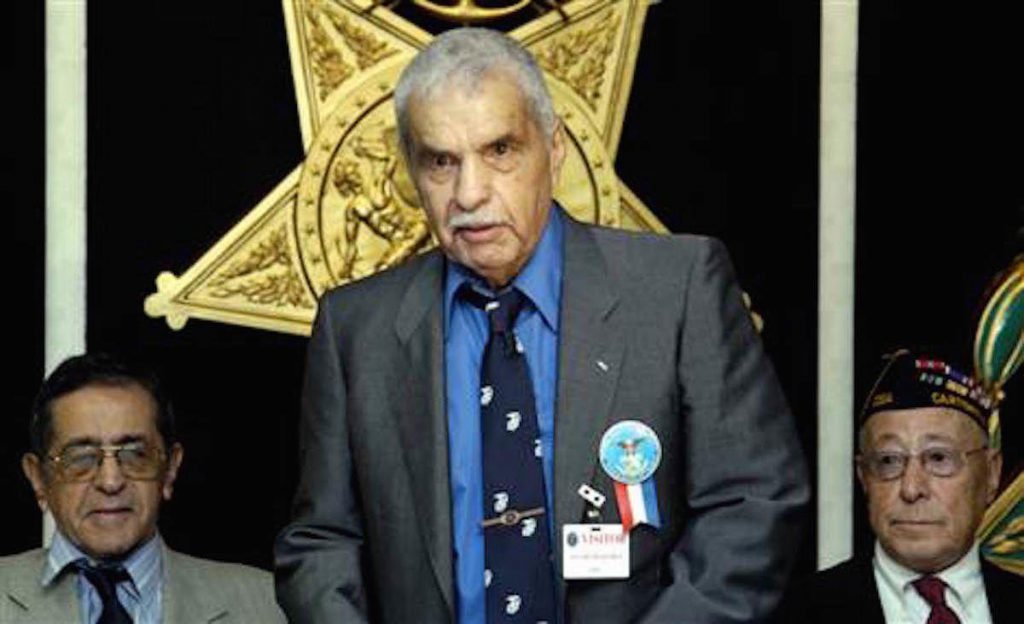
(349, 209)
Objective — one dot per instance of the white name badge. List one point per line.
(595, 551)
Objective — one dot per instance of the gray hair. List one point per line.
(462, 57)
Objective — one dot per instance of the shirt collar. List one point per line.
(540, 279)
(963, 577)
(895, 576)
(138, 565)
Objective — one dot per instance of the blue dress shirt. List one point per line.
(466, 332)
(142, 598)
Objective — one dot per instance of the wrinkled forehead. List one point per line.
(487, 110)
(923, 425)
(471, 80)
(104, 414)
(496, 83)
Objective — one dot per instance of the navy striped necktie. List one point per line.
(105, 577)
(518, 577)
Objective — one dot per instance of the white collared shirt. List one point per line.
(901, 604)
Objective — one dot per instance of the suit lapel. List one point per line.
(422, 418)
(858, 608)
(186, 597)
(57, 603)
(846, 594)
(591, 347)
(1002, 590)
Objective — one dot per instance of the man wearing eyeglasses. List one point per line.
(928, 471)
(104, 456)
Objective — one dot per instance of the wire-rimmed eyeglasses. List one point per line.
(938, 461)
(137, 460)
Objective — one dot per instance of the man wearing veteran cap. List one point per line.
(543, 421)
(928, 473)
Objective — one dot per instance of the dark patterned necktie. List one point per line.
(933, 591)
(517, 554)
(105, 577)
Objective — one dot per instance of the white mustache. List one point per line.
(476, 219)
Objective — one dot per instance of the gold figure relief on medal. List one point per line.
(350, 209)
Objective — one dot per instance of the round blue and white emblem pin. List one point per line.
(630, 452)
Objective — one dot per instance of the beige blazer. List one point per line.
(195, 591)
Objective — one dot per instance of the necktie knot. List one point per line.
(933, 590)
(502, 310)
(104, 577)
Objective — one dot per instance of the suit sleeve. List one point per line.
(746, 480)
(318, 557)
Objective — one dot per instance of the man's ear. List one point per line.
(34, 471)
(860, 478)
(995, 471)
(171, 474)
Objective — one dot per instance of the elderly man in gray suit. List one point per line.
(103, 457)
(542, 421)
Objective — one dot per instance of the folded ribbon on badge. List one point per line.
(630, 453)
(638, 504)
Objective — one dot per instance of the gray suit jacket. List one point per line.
(371, 538)
(195, 591)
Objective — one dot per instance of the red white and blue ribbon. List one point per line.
(638, 504)
(630, 452)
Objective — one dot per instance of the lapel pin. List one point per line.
(630, 452)
(591, 495)
(602, 365)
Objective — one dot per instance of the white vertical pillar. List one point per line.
(65, 303)
(837, 225)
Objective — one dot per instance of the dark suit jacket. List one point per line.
(847, 594)
(371, 538)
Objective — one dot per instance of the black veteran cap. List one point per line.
(908, 381)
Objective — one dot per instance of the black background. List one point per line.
(192, 120)
(23, 149)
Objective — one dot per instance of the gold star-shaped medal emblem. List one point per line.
(349, 209)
